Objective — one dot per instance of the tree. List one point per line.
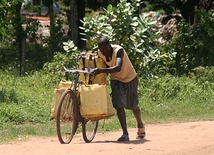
(75, 13)
(73, 21)
(15, 25)
(186, 7)
(52, 28)
(19, 34)
(81, 14)
(4, 8)
(123, 26)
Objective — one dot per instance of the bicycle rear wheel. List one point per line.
(67, 117)
(89, 129)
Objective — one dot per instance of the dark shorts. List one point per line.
(125, 95)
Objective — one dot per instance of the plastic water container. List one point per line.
(95, 102)
(95, 63)
(58, 91)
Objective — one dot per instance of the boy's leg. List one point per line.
(137, 115)
(122, 119)
(141, 128)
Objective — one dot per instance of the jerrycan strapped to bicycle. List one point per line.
(95, 101)
(84, 103)
(90, 60)
(58, 91)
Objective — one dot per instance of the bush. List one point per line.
(203, 74)
(25, 99)
(194, 44)
(29, 98)
(171, 98)
(55, 68)
(136, 34)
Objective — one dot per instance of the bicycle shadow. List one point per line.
(141, 141)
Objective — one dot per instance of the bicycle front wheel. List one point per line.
(67, 117)
(89, 129)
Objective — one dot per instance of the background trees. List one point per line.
(185, 7)
(21, 46)
(11, 17)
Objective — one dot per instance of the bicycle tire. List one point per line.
(89, 129)
(67, 117)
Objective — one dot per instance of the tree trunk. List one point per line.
(81, 14)
(21, 39)
(74, 21)
(52, 27)
(23, 55)
(75, 15)
(51, 12)
(187, 10)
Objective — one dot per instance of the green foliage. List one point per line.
(194, 44)
(39, 48)
(9, 48)
(203, 74)
(54, 42)
(134, 33)
(69, 46)
(200, 80)
(172, 99)
(25, 102)
(25, 99)
(68, 59)
(6, 9)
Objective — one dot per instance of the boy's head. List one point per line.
(104, 46)
(104, 41)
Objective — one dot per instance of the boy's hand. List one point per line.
(96, 71)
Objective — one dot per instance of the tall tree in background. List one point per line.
(81, 14)
(20, 36)
(73, 20)
(186, 7)
(75, 13)
(52, 27)
(12, 28)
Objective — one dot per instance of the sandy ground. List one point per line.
(192, 138)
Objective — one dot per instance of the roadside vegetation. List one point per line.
(176, 77)
(26, 103)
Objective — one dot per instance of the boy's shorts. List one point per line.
(125, 95)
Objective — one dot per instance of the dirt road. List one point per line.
(193, 138)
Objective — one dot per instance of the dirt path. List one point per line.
(194, 138)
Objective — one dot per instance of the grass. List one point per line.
(13, 132)
(25, 104)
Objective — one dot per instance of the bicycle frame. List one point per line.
(89, 127)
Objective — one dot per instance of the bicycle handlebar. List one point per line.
(78, 71)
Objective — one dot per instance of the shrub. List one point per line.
(25, 99)
(68, 59)
(130, 30)
(203, 74)
(194, 44)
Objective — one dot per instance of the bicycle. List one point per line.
(68, 115)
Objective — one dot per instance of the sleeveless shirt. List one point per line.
(127, 72)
